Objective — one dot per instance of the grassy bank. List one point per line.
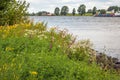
(86, 14)
(33, 52)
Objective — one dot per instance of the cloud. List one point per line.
(49, 5)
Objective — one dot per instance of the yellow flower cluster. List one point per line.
(5, 31)
(8, 27)
(26, 26)
(20, 29)
(9, 49)
(33, 72)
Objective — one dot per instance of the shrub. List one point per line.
(12, 12)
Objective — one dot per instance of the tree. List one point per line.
(115, 8)
(82, 9)
(3, 7)
(32, 14)
(64, 10)
(103, 11)
(39, 13)
(74, 11)
(3, 4)
(57, 11)
(94, 10)
(12, 11)
(89, 11)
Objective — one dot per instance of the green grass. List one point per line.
(41, 54)
(86, 14)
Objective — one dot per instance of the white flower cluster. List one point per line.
(31, 32)
(39, 34)
(42, 36)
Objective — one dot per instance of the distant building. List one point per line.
(50, 14)
(44, 13)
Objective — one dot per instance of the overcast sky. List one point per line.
(49, 5)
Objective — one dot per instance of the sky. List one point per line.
(50, 5)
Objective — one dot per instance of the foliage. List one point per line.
(73, 12)
(12, 12)
(41, 13)
(57, 11)
(64, 10)
(86, 14)
(38, 13)
(82, 9)
(103, 11)
(32, 14)
(89, 11)
(30, 51)
(115, 8)
(94, 10)
(3, 4)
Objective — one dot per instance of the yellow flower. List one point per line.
(9, 49)
(34, 73)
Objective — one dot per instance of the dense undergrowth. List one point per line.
(33, 52)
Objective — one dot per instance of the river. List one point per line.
(103, 32)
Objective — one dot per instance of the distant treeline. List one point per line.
(81, 10)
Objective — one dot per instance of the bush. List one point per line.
(12, 12)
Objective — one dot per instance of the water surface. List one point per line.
(103, 32)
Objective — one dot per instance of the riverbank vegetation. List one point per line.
(31, 51)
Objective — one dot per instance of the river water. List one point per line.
(103, 32)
